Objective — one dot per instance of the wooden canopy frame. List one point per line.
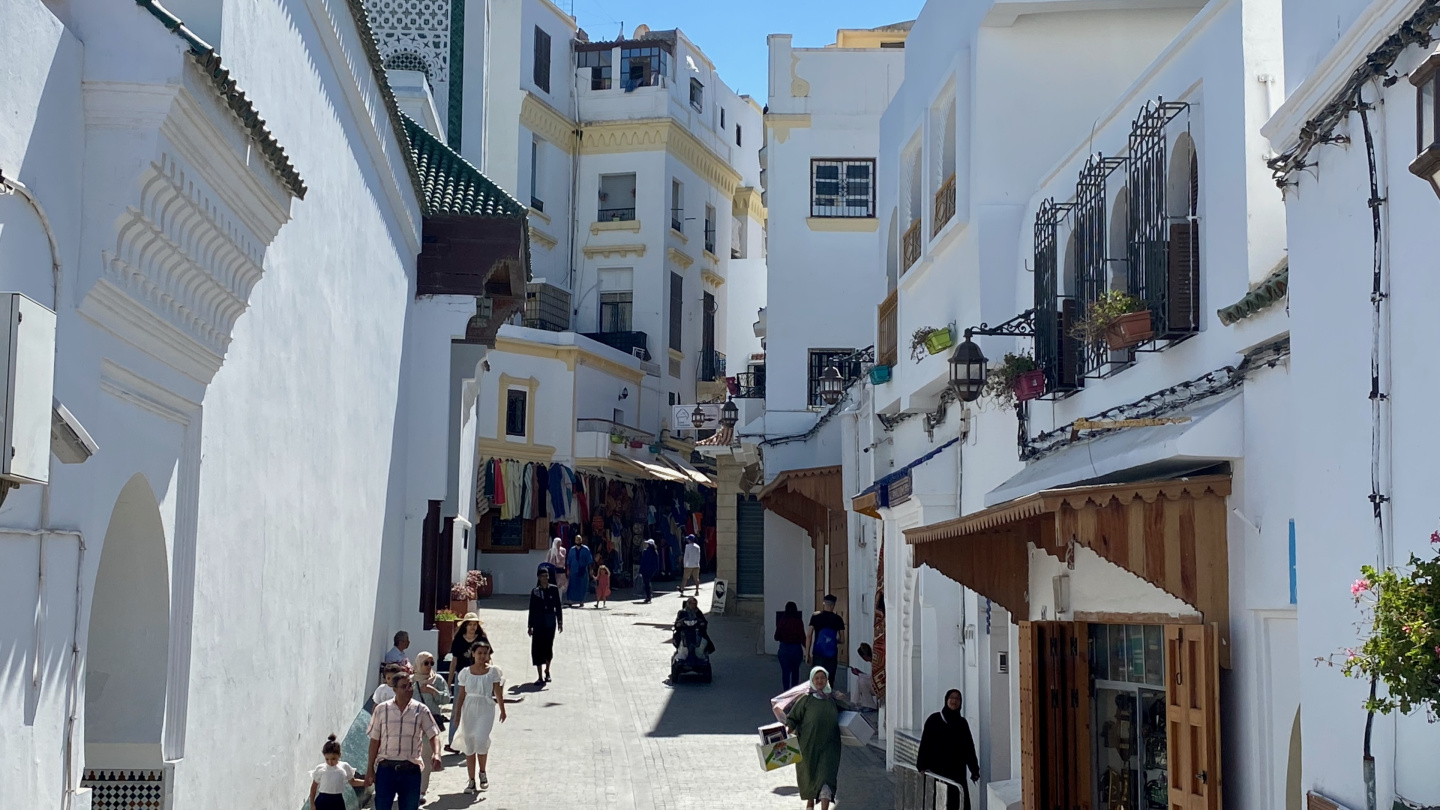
(1170, 533)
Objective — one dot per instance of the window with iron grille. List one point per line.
(516, 402)
(542, 59)
(821, 359)
(599, 64)
(842, 188)
(616, 311)
(677, 312)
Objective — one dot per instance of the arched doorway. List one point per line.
(127, 649)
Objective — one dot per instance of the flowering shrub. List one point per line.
(446, 616)
(475, 579)
(461, 592)
(1402, 649)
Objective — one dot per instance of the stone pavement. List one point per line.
(608, 733)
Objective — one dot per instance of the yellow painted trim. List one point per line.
(684, 240)
(712, 278)
(530, 384)
(649, 134)
(570, 355)
(710, 256)
(537, 214)
(780, 124)
(634, 376)
(866, 38)
(843, 224)
(680, 257)
(799, 88)
(632, 225)
(613, 251)
(490, 448)
(749, 203)
(676, 354)
(543, 239)
(545, 121)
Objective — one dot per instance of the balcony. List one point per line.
(887, 341)
(910, 246)
(613, 428)
(677, 219)
(712, 365)
(750, 384)
(616, 215)
(944, 205)
(636, 343)
(710, 239)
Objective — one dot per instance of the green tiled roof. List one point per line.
(233, 97)
(450, 185)
(1265, 294)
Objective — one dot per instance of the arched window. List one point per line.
(1180, 313)
(408, 60)
(1117, 255)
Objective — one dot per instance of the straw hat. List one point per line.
(472, 616)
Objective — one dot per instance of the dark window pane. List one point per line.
(515, 415)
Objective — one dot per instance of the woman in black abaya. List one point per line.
(948, 750)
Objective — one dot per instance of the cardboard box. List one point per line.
(855, 729)
(773, 733)
(774, 756)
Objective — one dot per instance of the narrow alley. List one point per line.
(609, 732)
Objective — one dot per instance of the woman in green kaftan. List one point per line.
(815, 720)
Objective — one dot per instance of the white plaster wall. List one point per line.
(789, 572)
(1096, 586)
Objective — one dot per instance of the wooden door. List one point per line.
(1029, 715)
(1192, 714)
(818, 542)
(1055, 716)
(839, 575)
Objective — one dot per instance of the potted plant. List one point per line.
(928, 340)
(879, 374)
(480, 583)
(460, 596)
(617, 438)
(1118, 318)
(1402, 648)
(1015, 379)
(445, 627)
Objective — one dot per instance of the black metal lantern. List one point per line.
(832, 385)
(697, 417)
(968, 370)
(1426, 79)
(729, 414)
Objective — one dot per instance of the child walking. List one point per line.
(602, 585)
(328, 781)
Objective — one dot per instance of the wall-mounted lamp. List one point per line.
(624, 393)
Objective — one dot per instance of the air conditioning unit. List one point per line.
(27, 348)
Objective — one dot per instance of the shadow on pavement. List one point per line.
(527, 688)
(738, 701)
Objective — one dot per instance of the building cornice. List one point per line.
(545, 121)
(679, 257)
(780, 124)
(843, 224)
(571, 355)
(543, 239)
(712, 278)
(631, 225)
(611, 137)
(613, 251)
(748, 202)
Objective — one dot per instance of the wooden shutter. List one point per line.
(429, 545)
(838, 540)
(542, 59)
(444, 561)
(1029, 716)
(1069, 349)
(1182, 301)
(1192, 714)
(677, 312)
(821, 546)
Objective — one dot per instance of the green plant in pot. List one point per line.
(1016, 378)
(1118, 318)
(928, 340)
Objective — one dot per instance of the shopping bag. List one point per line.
(782, 702)
(774, 756)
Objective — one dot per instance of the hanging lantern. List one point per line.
(968, 370)
(832, 385)
(729, 414)
(697, 417)
(1426, 79)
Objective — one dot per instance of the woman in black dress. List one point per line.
(948, 750)
(545, 620)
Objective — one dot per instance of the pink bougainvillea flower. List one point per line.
(1405, 629)
(1435, 537)
(1350, 654)
(1361, 585)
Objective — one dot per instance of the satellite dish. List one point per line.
(641, 30)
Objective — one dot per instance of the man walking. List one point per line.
(399, 729)
(649, 567)
(692, 564)
(826, 634)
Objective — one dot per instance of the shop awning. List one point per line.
(621, 465)
(1212, 433)
(686, 469)
(1170, 533)
(806, 497)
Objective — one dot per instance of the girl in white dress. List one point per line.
(480, 693)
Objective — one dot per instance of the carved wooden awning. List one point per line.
(806, 497)
(1170, 533)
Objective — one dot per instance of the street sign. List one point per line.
(682, 416)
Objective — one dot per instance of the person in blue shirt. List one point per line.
(649, 567)
(579, 561)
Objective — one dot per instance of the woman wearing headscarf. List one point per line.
(790, 632)
(545, 619)
(556, 558)
(948, 750)
(815, 720)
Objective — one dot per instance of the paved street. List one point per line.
(608, 732)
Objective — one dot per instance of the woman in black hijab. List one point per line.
(948, 750)
(545, 618)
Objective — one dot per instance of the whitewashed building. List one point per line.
(231, 248)
(1353, 149)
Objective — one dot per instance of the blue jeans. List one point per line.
(397, 783)
(791, 655)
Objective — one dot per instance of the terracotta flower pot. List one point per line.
(1130, 329)
(460, 606)
(486, 588)
(446, 632)
(1029, 385)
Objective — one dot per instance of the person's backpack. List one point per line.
(827, 643)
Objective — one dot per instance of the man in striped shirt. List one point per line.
(398, 731)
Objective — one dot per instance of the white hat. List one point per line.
(649, 542)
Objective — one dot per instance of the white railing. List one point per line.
(921, 791)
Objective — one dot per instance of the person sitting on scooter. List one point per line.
(691, 612)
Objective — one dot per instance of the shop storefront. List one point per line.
(1126, 590)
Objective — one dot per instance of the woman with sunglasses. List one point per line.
(431, 690)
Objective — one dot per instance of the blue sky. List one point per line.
(732, 32)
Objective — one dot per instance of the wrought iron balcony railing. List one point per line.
(750, 384)
(944, 204)
(636, 343)
(910, 246)
(617, 215)
(712, 365)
